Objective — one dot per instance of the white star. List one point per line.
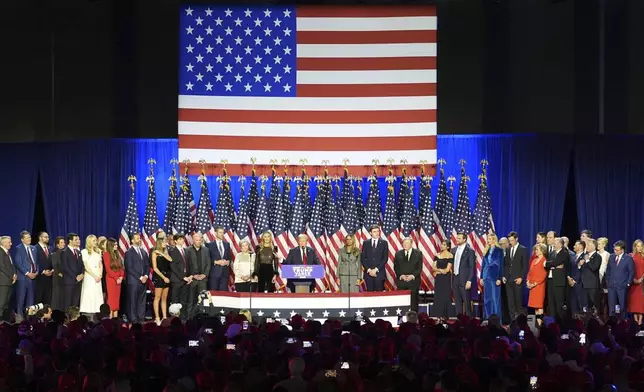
(325, 314)
(258, 22)
(248, 68)
(359, 313)
(398, 312)
(267, 69)
(238, 40)
(229, 50)
(385, 312)
(287, 13)
(278, 41)
(189, 67)
(267, 13)
(208, 68)
(260, 313)
(238, 59)
(258, 78)
(238, 22)
(277, 59)
(268, 50)
(208, 30)
(372, 313)
(277, 78)
(276, 314)
(287, 69)
(199, 21)
(287, 51)
(277, 22)
(209, 49)
(219, 58)
(229, 68)
(258, 41)
(199, 58)
(267, 31)
(287, 32)
(248, 12)
(209, 87)
(248, 49)
(247, 86)
(189, 30)
(219, 40)
(189, 48)
(189, 86)
(218, 21)
(208, 12)
(189, 11)
(267, 87)
(199, 39)
(229, 87)
(229, 12)
(342, 313)
(293, 313)
(199, 77)
(248, 31)
(309, 314)
(219, 77)
(228, 30)
(287, 88)
(238, 78)
(258, 60)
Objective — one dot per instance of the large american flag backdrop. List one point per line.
(321, 83)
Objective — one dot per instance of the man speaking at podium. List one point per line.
(302, 255)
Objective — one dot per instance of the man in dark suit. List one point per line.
(408, 263)
(58, 287)
(221, 256)
(43, 260)
(179, 277)
(464, 270)
(73, 271)
(137, 267)
(7, 274)
(25, 257)
(589, 266)
(302, 255)
(551, 236)
(515, 268)
(375, 253)
(619, 275)
(577, 295)
(556, 280)
(199, 265)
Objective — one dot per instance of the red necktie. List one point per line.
(304, 256)
(46, 251)
(31, 261)
(76, 254)
(618, 260)
(183, 256)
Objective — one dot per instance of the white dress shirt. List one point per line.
(457, 258)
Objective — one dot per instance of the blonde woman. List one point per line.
(602, 242)
(244, 268)
(92, 289)
(161, 277)
(636, 292)
(267, 265)
(349, 266)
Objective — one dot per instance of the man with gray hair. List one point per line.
(504, 244)
(556, 286)
(199, 265)
(408, 263)
(7, 274)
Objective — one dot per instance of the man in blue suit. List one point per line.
(375, 253)
(72, 269)
(619, 275)
(221, 256)
(137, 267)
(27, 267)
(464, 270)
(577, 295)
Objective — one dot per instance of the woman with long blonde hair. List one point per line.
(349, 267)
(266, 263)
(161, 277)
(92, 289)
(636, 292)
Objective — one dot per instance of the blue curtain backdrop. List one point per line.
(19, 184)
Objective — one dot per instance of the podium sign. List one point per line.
(302, 271)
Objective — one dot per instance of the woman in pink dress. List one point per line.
(636, 293)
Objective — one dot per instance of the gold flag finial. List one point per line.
(132, 180)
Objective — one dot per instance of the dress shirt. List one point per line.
(457, 258)
(513, 250)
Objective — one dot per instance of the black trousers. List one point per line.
(265, 278)
(374, 284)
(246, 287)
(413, 286)
(5, 296)
(136, 302)
(556, 300)
(71, 296)
(462, 298)
(179, 293)
(592, 299)
(515, 298)
(196, 287)
(43, 290)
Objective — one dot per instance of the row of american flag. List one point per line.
(337, 210)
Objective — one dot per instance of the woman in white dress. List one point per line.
(92, 290)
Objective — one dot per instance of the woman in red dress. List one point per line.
(115, 274)
(636, 292)
(536, 280)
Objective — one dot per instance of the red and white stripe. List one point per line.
(284, 242)
(334, 244)
(366, 88)
(319, 245)
(124, 242)
(395, 244)
(149, 241)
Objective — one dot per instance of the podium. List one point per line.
(301, 276)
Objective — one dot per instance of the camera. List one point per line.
(222, 319)
(208, 331)
(245, 325)
(291, 340)
(565, 336)
(344, 365)
(193, 343)
(534, 382)
(230, 347)
(582, 338)
(307, 344)
(521, 335)
(32, 310)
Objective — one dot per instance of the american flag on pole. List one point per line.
(335, 235)
(204, 223)
(171, 205)
(225, 217)
(391, 233)
(182, 219)
(361, 235)
(316, 230)
(428, 240)
(482, 222)
(444, 209)
(131, 223)
(279, 227)
(150, 218)
(463, 219)
(192, 206)
(253, 200)
(321, 83)
(241, 227)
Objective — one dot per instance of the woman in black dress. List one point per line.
(442, 267)
(161, 266)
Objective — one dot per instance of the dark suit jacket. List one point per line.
(573, 271)
(42, 260)
(7, 270)
(558, 267)
(516, 267)
(22, 262)
(218, 270)
(294, 257)
(619, 276)
(198, 267)
(70, 266)
(136, 266)
(467, 266)
(590, 272)
(375, 258)
(178, 266)
(413, 266)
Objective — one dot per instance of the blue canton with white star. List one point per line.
(237, 51)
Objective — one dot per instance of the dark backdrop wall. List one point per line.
(108, 68)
